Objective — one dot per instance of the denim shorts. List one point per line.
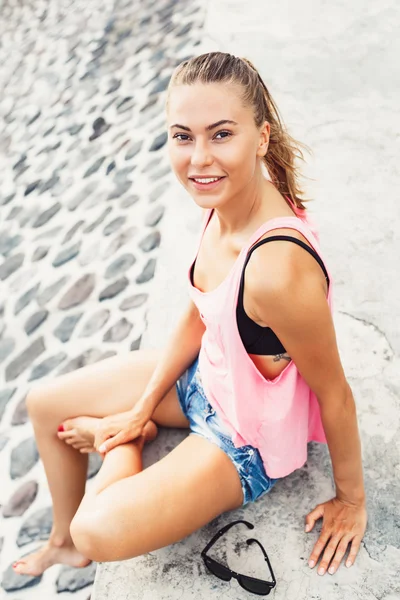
(205, 421)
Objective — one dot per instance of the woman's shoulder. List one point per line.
(275, 267)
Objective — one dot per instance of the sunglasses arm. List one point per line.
(252, 541)
(221, 533)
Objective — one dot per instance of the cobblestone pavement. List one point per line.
(82, 193)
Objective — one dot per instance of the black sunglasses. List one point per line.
(250, 584)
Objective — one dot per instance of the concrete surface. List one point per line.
(333, 73)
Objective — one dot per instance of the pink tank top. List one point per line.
(278, 416)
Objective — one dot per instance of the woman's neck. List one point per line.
(237, 215)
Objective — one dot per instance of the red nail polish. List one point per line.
(61, 428)
(15, 564)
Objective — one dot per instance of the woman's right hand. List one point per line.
(119, 429)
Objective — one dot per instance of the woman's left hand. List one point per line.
(343, 523)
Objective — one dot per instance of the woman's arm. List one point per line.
(182, 348)
(287, 291)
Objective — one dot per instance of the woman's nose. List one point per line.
(201, 155)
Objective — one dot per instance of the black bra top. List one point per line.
(257, 339)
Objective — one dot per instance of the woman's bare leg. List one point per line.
(156, 507)
(108, 387)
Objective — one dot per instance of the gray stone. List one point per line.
(21, 500)
(71, 579)
(148, 271)
(95, 167)
(52, 290)
(99, 127)
(136, 344)
(95, 462)
(86, 358)
(129, 201)
(49, 184)
(151, 164)
(6, 347)
(133, 150)
(35, 320)
(3, 441)
(95, 323)
(98, 221)
(113, 85)
(74, 129)
(45, 367)
(118, 332)
(120, 189)
(119, 241)
(65, 329)
(79, 292)
(154, 216)
(32, 187)
(125, 104)
(8, 242)
(114, 225)
(6, 200)
(134, 301)
(23, 458)
(158, 191)
(36, 527)
(34, 117)
(45, 216)
(50, 233)
(151, 102)
(14, 212)
(10, 265)
(110, 167)
(159, 142)
(20, 162)
(161, 85)
(26, 298)
(13, 582)
(151, 241)
(83, 195)
(121, 175)
(120, 265)
(114, 289)
(71, 232)
(5, 396)
(26, 358)
(67, 254)
(164, 171)
(20, 416)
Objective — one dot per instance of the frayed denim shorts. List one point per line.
(204, 421)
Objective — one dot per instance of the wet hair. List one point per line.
(283, 150)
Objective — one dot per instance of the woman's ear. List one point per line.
(264, 139)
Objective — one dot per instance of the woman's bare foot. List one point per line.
(80, 433)
(48, 555)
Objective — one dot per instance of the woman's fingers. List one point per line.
(340, 552)
(355, 546)
(313, 516)
(330, 550)
(318, 548)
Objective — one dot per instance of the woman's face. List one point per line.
(212, 135)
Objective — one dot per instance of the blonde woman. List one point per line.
(252, 368)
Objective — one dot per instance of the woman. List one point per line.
(252, 367)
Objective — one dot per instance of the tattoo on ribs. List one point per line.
(279, 357)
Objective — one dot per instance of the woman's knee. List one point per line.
(89, 538)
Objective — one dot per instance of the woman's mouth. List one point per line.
(206, 183)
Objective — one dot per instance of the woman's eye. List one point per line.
(181, 136)
(224, 134)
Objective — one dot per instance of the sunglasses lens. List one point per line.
(255, 586)
(217, 569)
